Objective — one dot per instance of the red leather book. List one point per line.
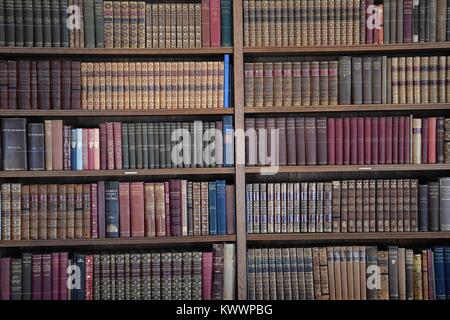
(300, 141)
(90, 133)
(311, 141)
(103, 147)
(322, 141)
(55, 84)
(43, 84)
(214, 21)
(175, 208)
(167, 208)
(110, 146)
(408, 139)
(3, 85)
(12, 84)
(331, 141)
(367, 140)
(230, 207)
(408, 21)
(101, 209)
(206, 42)
(46, 276)
(425, 138)
(369, 31)
(55, 276)
(401, 140)
(117, 128)
(395, 126)
(24, 84)
(291, 142)
(36, 281)
(382, 140)
(63, 264)
(352, 140)
(360, 140)
(207, 258)
(5, 276)
(76, 86)
(388, 145)
(149, 209)
(96, 133)
(34, 86)
(432, 140)
(84, 148)
(347, 140)
(57, 143)
(94, 211)
(339, 141)
(124, 205)
(280, 125)
(160, 213)
(66, 84)
(88, 277)
(137, 209)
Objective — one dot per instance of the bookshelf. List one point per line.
(239, 173)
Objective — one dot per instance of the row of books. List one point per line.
(400, 205)
(56, 84)
(350, 22)
(344, 141)
(115, 24)
(54, 146)
(155, 275)
(112, 209)
(349, 273)
(347, 80)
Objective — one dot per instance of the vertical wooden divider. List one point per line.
(241, 231)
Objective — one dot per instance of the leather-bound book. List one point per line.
(70, 207)
(101, 208)
(24, 84)
(440, 140)
(357, 80)
(52, 211)
(401, 140)
(268, 83)
(367, 80)
(25, 212)
(55, 84)
(215, 22)
(368, 138)
(217, 271)
(300, 141)
(333, 83)
(55, 23)
(433, 206)
(206, 275)
(9, 25)
(55, 276)
(43, 85)
(417, 141)
(306, 83)
(15, 211)
(315, 83)
(78, 211)
(310, 141)
(67, 152)
(46, 23)
(400, 206)
(377, 86)
(408, 139)
(284, 147)
(14, 144)
(86, 208)
(444, 204)
(350, 140)
(389, 135)
(423, 208)
(75, 85)
(432, 122)
(6, 211)
(46, 277)
(393, 206)
(149, 209)
(35, 141)
(344, 206)
(291, 142)
(34, 220)
(167, 207)
(379, 206)
(124, 205)
(424, 141)
(381, 140)
(339, 134)
(137, 209)
(360, 140)
(112, 209)
(57, 145)
(331, 146)
(351, 205)
(345, 87)
(414, 204)
(277, 84)
(249, 83)
(146, 291)
(12, 84)
(4, 85)
(322, 157)
(36, 282)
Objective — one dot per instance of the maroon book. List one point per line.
(76, 85)
(395, 126)
(5, 276)
(360, 140)
(103, 147)
(167, 207)
(206, 42)
(374, 142)
(214, 21)
(280, 124)
(55, 276)
(353, 140)
(367, 140)
(408, 141)
(24, 84)
(63, 264)
(339, 141)
(311, 141)
(12, 84)
(94, 211)
(46, 276)
(43, 84)
(388, 136)
(300, 141)
(55, 84)
(3, 85)
(424, 148)
(175, 207)
(101, 209)
(124, 205)
(66, 86)
(110, 146)
(382, 140)
(137, 209)
(331, 141)
(117, 128)
(207, 258)
(34, 85)
(408, 21)
(348, 138)
(322, 141)
(36, 281)
(401, 140)
(291, 141)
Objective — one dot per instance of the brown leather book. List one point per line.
(259, 84)
(52, 211)
(25, 213)
(393, 206)
(24, 84)
(204, 215)
(407, 205)
(331, 275)
(383, 291)
(344, 274)
(55, 84)
(287, 84)
(149, 209)
(351, 205)
(48, 126)
(311, 141)
(336, 206)
(400, 215)
(344, 206)
(42, 212)
(62, 212)
(249, 84)
(386, 206)
(268, 84)
(351, 279)
(337, 272)
(277, 84)
(70, 201)
(137, 209)
(78, 211)
(357, 281)
(160, 215)
(57, 144)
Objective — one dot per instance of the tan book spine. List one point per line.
(155, 25)
(78, 211)
(192, 37)
(198, 25)
(362, 269)
(141, 23)
(152, 88)
(337, 272)
(144, 85)
(331, 275)
(128, 85)
(324, 22)
(343, 22)
(344, 274)
(433, 80)
(179, 84)
(220, 91)
(337, 23)
(350, 11)
(173, 25)
(70, 223)
(97, 102)
(251, 22)
(186, 85)
(168, 25)
(90, 85)
(310, 18)
(204, 84)
(409, 81)
(169, 93)
(125, 23)
(287, 84)
(383, 291)
(195, 84)
(84, 86)
(117, 25)
(162, 86)
(114, 85)
(425, 275)
(268, 84)
(258, 24)
(215, 83)
(174, 91)
(417, 277)
(259, 84)
(161, 25)
(285, 23)
(179, 25)
(416, 80)
(351, 283)
(148, 25)
(424, 77)
(265, 22)
(401, 274)
(102, 80)
(278, 25)
(395, 80)
(272, 23)
(138, 74)
(447, 81)
(317, 24)
(356, 274)
(356, 9)
(120, 86)
(277, 84)
(442, 79)
(331, 23)
(316, 274)
(402, 80)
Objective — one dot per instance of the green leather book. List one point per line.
(145, 145)
(177, 273)
(9, 26)
(64, 31)
(98, 10)
(28, 23)
(56, 23)
(46, 24)
(226, 22)
(166, 276)
(146, 281)
(18, 22)
(2, 24)
(125, 157)
(156, 276)
(132, 145)
(135, 261)
(89, 24)
(139, 147)
(38, 37)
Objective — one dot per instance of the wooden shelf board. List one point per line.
(106, 113)
(333, 50)
(355, 168)
(115, 241)
(113, 51)
(349, 108)
(116, 173)
(373, 236)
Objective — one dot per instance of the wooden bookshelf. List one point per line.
(116, 242)
(117, 113)
(348, 49)
(351, 108)
(355, 168)
(84, 52)
(117, 173)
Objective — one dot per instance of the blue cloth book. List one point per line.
(226, 82)
(228, 141)
(112, 209)
(221, 207)
(212, 199)
(447, 271)
(78, 293)
(73, 149)
(439, 271)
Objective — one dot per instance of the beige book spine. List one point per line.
(144, 85)
(139, 85)
(186, 84)
(168, 85)
(151, 84)
(180, 87)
